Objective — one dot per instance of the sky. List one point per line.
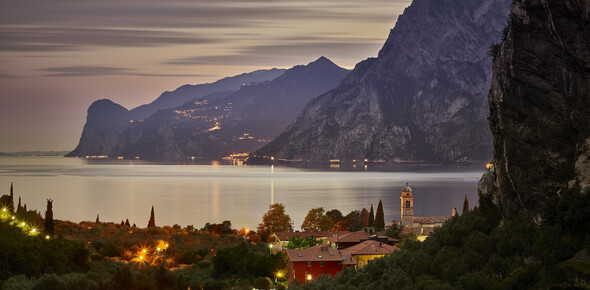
(59, 56)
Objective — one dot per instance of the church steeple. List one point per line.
(407, 207)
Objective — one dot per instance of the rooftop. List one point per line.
(314, 254)
(354, 237)
(370, 248)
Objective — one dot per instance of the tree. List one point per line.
(19, 208)
(326, 223)
(127, 223)
(353, 221)
(365, 217)
(11, 200)
(49, 218)
(336, 215)
(275, 220)
(394, 231)
(152, 222)
(379, 218)
(262, 283)
(97, 219)
(465, 205)
(371, 217)
(311, 223)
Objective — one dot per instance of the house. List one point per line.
(348, 239)
(367, 251)
(352, 238)
(308, 264)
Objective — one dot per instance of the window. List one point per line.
(308, 263)
(407, 203)
(322, 264)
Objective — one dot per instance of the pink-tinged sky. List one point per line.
(57, 57)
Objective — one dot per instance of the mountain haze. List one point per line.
(422, 99)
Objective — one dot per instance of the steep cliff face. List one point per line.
(422, 99)
(540, 106)
(105, 122)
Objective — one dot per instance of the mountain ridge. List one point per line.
(422, 99)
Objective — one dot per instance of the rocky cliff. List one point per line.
(540, 106)
(106, 121)
(423, 98)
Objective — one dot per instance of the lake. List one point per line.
(196, 194)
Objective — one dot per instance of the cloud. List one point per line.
(96, 71)
(66, 39)
(274, 54)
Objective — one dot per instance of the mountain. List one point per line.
(422, 99)
(188, 93)
(237, 122)
(107, 120)
(540, 108)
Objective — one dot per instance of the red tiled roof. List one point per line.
(284, 236)
(347, 259)
(431, 219)
(370, 248)
(354, 237)
(314, 254)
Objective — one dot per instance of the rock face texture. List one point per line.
(540, 106)
(422, 99)
(214, 127)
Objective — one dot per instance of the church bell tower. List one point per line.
(407, 212)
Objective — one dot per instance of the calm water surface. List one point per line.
(196, 194)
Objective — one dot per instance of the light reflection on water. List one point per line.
(196, 194)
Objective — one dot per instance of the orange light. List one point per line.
(308, 277)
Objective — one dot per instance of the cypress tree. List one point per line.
(379, 218)
(25, 208)
(371, 217)
(19, 208)
(49, 218)
(152, 222)
(97, 219)
(127, 223)
(11, 201)
(465, 205)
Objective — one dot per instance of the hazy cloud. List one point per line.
(271, 54)
(59, 38)
(94, 71)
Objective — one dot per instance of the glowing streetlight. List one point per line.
(4, 209)
(47, 237)
(33, 231)
(308, 277)
(141, 258)
(158, 249)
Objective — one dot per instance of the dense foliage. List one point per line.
(34, 255)
(479, 250)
